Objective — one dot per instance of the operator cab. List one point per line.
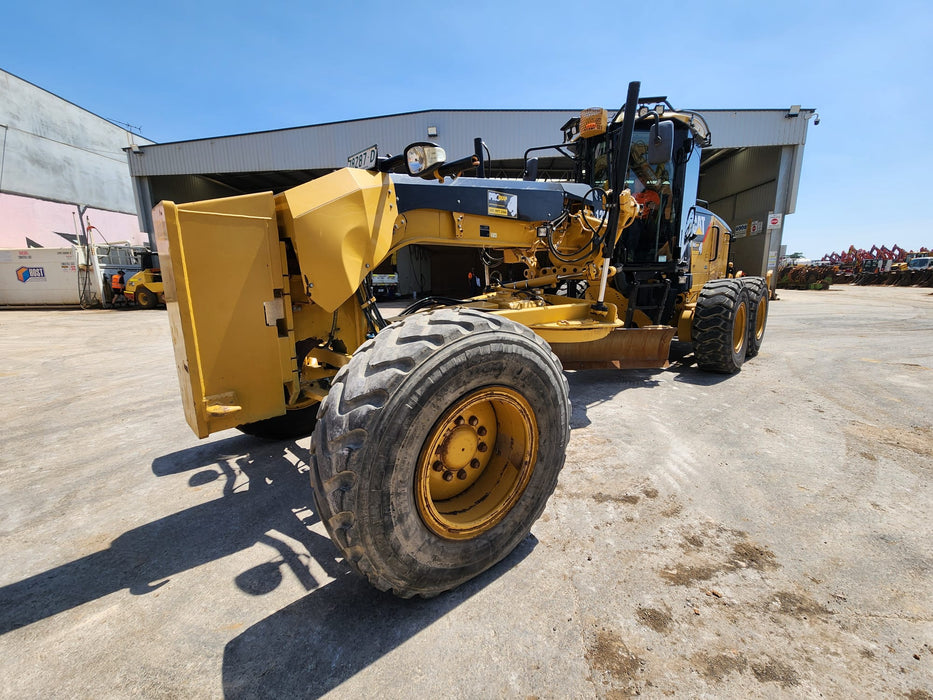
(666, 188)
(655, 254)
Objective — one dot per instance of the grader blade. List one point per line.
(625, 348)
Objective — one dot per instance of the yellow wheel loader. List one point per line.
(438, 438)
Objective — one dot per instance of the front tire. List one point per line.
(438, 447)
(720, 326)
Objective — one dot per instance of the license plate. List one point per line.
(365, 159)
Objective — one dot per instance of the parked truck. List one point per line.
(438, 438)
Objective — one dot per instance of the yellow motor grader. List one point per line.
(438, 438)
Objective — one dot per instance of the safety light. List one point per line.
(593, 122)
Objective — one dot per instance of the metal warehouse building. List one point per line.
(63, 175)
(57, 159)
(749, 174)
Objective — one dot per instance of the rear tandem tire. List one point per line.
(758, 294)
(720, 326)
(405, 482)
(291, 425)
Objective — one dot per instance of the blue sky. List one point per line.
(206, 68)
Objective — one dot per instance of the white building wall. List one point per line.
(53, 152)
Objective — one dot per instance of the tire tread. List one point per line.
(389, 356)
(712, 325)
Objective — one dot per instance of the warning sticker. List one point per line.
(502, 204)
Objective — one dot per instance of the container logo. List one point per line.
(27, 273)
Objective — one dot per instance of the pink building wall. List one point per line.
(42, 221)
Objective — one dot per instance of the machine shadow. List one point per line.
(593, 387)
(278, 500)
(206, 454)
(683, 364)
(313, 645)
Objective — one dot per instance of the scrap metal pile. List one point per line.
(879, 265)
(805, 277)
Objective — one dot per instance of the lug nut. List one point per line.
(474, 420)
(458, 420)
(448, 476)
(474, 463)
(482, 447)
(462, 474)
(437, 466)
(481, 431)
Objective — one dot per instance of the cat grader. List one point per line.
(438, 438)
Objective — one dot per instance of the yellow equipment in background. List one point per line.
(146, 289)
(438, 438)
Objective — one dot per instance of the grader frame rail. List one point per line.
(438, 438)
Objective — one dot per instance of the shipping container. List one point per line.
(39, 276)
(62, 277)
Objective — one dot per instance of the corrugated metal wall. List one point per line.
(507, 134)
(740, 186)
(744, 185)
(188, 188)
(755, 127)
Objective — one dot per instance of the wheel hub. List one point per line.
(476, 463)
(459, 447)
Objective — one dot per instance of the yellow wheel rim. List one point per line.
(476, 463)
(740, 327)
(761, 315)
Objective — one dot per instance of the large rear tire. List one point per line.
(720, 326)
(438, 447)
(758, 293)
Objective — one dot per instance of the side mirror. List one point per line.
(661, 142)
(422, 159)
(531, 170)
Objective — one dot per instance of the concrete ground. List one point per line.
(766, 534)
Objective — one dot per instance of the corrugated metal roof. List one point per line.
(507, 133)
(739, 128)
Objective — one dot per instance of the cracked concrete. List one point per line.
(760, 535)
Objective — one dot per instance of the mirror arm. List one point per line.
(657, 131)
(456, 167)
(391, 164)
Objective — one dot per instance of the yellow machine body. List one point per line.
(358, 204)
(229, 309)
(263, 290)
(709, 260)
(709, 251)
(148, 279)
